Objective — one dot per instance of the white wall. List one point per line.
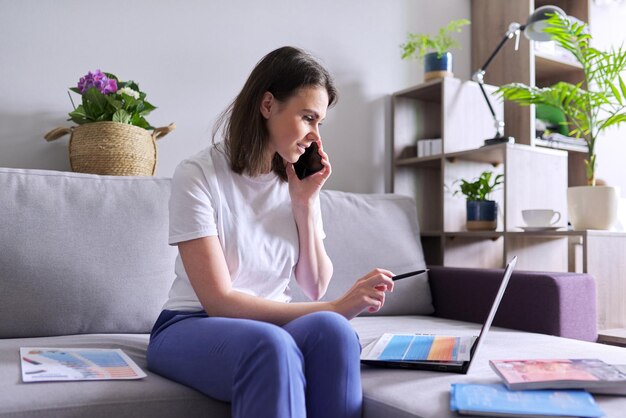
(192, 57)
(607, 28)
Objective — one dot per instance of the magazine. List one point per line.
(591, 374)
(497, 400)
(64, 364)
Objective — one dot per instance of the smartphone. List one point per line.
(310, 162)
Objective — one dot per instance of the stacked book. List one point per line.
(428, 147)
(536, 388)
(556, 140)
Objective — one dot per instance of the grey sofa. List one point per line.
(84, 263)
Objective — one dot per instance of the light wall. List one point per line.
(192, 57)
(608, 30)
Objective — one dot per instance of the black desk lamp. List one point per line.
(533, 30)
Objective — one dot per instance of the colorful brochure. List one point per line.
(416, 347)
(63, 364)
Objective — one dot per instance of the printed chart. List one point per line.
(62, 364)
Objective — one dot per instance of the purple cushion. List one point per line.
(562, 304)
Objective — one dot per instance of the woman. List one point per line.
(244, 223)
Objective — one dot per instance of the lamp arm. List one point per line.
(514, 30)
(479, 75)
(493, 112)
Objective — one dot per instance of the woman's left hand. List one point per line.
(304, 191)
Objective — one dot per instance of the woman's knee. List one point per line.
(271, 346)
(335, 322)
(334, 328)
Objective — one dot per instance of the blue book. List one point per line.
(497, 400)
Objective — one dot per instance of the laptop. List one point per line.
(448, 366)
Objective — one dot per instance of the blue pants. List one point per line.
(307, 368)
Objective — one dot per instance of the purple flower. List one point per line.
(98, 80)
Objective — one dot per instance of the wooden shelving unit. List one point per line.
(455, 111)
(490, 21)
(598, 253)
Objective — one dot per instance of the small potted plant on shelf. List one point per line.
(434, 49)
(113, 136)
(590, 107)
(482, 213)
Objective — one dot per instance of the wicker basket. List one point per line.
(112, 148)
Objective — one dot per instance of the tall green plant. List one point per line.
(594, 104)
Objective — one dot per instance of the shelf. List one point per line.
(560, 146)
(491, 154)
(541, 234)
(430, 161)
(550, 67)
(429, 91)
(474, 234)
(520, 234)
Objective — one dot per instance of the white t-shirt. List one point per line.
(252, 218)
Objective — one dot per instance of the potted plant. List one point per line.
(482, 212)
(591, 106)
(434, 49)
(113, 136)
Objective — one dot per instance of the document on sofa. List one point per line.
(593, 375)
(496, 400)
(63, 364)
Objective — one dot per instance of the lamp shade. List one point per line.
(537, 22)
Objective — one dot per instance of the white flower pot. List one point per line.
(592, 207)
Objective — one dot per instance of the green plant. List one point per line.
(418, 45)
(106, 98)
(591, 106)
(481, 187)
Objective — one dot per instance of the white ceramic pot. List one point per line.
(592, 207)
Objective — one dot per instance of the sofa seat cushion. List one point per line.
(81, 253)
(400, 393)
(152, 396)
(387, 393)
(365, 231)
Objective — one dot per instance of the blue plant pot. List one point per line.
(482, 215)
(435, 67)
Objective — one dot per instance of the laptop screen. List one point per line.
(494, 307)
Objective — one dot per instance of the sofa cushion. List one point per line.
(388, 393)
(81, 253)
(365, 231)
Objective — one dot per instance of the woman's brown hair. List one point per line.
(282, 72)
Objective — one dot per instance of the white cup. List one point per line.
(540, 217)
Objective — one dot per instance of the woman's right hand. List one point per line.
(367, 293)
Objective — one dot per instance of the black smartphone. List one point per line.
(310, 162)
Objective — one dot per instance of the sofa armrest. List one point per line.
(562, 304)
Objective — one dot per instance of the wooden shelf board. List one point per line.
(428, 91)
(560, 146)
(430, 161)
(547, 67)
(492, 154)
(474, 234)
(615, 336)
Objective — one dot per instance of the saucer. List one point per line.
(539, 228)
